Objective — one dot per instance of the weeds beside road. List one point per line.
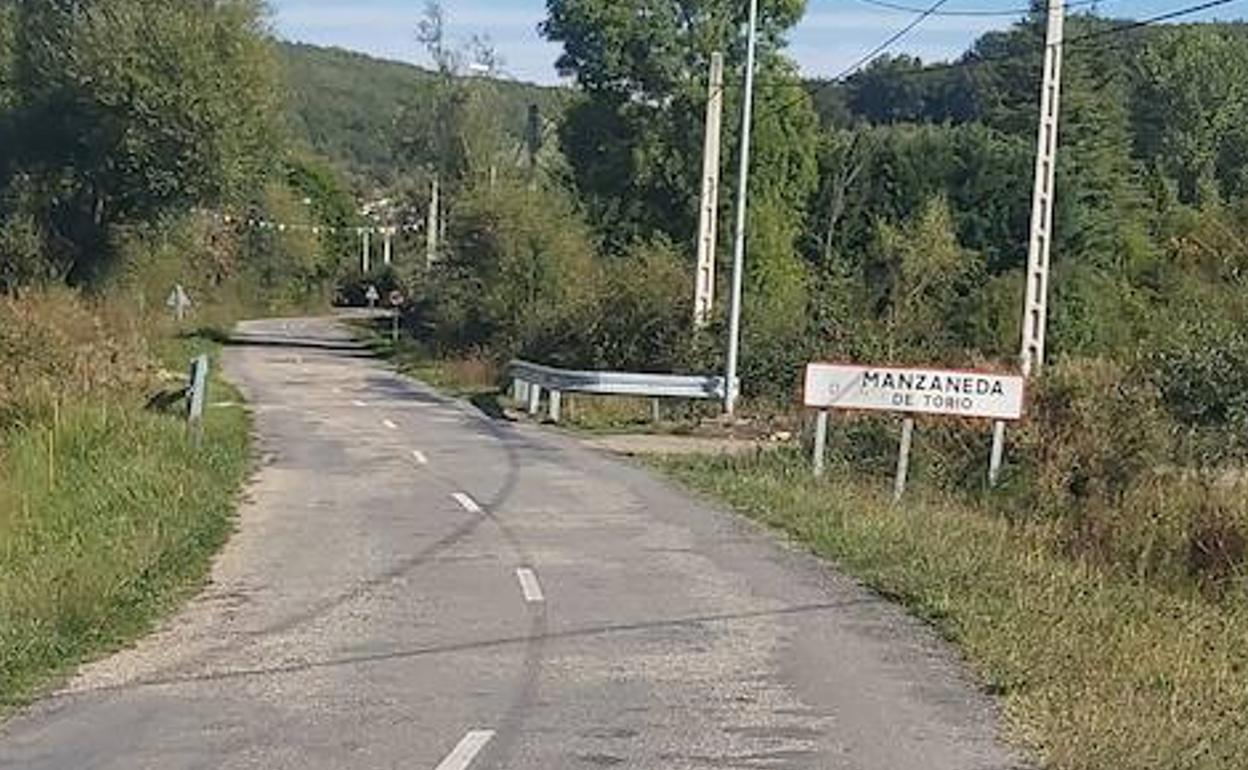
(108, 516)
(1096, 671)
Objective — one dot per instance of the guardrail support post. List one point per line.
(821, 441)
(656, 410)
(556, 400)
(535, 397)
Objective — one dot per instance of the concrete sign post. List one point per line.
(909, 391)
(821, 441)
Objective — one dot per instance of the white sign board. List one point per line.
(918, 391)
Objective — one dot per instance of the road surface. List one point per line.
(415, 585)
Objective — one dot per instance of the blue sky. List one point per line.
(833, 34)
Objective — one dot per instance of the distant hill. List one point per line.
(343, 104)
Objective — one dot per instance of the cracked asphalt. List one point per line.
(416, 585)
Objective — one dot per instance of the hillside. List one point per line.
(344, 105)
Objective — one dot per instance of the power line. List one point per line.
(1108, 31)
(967, 63)
(1073, 4)
(899, 34)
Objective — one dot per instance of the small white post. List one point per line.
(387, 250)
(903, 459)
(535, 397)
(517, 389)
(821, 441)
(196, 395)
(555, 402)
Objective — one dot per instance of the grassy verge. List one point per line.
(108, 518)
(1096, 672)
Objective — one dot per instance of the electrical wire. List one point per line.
(898, 35)
(901, 7)
(980, 60)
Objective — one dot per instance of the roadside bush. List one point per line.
(57, 347)
(1203, 382)
(520, 278)
(1094, 427)
(645, 310)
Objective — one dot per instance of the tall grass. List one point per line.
(108, 514)
(1097, 670)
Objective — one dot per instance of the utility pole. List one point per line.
(743, 187)
(431, 229)
(387, 249)
(1036, 298)
(365, 255)
(704, 290)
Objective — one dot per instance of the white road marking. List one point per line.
(419, 457)
(467, 750)
(359, 403)
(466, 502)
(390, 424)
(528, 583)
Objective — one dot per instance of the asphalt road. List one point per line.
(416, 585)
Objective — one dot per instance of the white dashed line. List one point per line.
(390, 424)
(528, 583)
(419, 457)
(467, 750)
(466, 502)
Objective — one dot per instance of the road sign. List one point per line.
(371, 295)
(396, 298)
(950, 392)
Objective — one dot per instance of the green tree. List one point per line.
(128, 109)
(634, 140)
(1191, 109)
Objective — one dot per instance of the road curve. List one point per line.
(416, 585)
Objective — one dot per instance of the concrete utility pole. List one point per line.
(743, 187)
(1036, 298)
(387, 249)
(704, 291)
(431, 230)
(365, 253)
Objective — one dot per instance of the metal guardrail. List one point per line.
(529, 380)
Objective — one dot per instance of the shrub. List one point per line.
(56, 346)
(1094, 427)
